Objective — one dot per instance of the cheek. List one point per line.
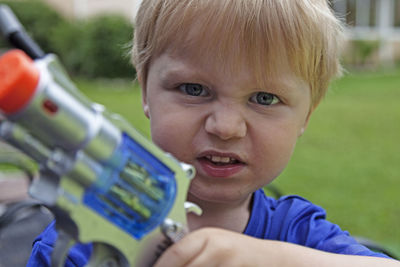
(170, 131)
(163, 132)
(274, 152)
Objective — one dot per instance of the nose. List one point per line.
(226, 122)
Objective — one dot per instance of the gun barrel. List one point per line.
(121, 179)
(52, 114)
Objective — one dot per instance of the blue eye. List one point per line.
(264, 98)
(193, 89)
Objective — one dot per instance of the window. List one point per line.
(397, 13)
(365, 13)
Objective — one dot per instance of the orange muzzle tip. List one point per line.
(19, 78)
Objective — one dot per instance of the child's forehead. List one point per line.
(226, 38)
(219, 46)
(265, 35)
(227, 50)
(200, 57)
(184, 67)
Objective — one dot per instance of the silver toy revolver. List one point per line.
(104, 182)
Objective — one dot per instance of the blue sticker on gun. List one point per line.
(136, 195)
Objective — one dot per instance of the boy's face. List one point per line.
(238, 136)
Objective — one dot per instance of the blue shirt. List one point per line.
(296, 220)
(291, 219)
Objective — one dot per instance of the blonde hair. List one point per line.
(260, 32)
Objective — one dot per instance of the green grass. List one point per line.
(119, 96)
(347, 161)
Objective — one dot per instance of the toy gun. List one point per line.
(104, 182)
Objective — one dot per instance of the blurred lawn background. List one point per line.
(347, 161)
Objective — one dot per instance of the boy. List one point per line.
(229, 86)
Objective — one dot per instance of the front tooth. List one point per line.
(219, 159)
(225, 160)
(216, 158)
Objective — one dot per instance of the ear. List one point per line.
(145, 105)
(304, 127)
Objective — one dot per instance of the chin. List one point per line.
(207, 195)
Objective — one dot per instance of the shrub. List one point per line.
(66, 43)
(103, 47)
(364, 49)
(96, 47)
(39, 20)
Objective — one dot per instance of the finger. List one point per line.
(181, 253)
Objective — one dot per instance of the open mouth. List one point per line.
(220, 165)
(221, 161)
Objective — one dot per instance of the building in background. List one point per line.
(87, 8)
(373, 21)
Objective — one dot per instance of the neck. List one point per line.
(230, 216)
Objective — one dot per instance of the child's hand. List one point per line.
(214, 247)
(217, 247)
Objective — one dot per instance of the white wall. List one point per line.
(87, 8)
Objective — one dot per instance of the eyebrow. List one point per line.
(180, 71)
(282, 85)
